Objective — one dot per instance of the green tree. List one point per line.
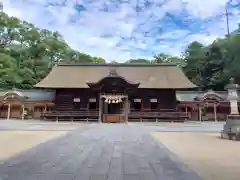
(161, 58)
(213, 69)
(194, 57)
(165, 58)
(98, 60)
(8, 29)
(141, 61)
(8, 67)
(213, 65)
(30, 52)
(231, 55)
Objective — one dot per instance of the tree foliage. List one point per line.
(139, 61)
(28, 53)
(165, 58)
(212, 66)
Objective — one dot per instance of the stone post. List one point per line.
(231, 129)
(233, 97)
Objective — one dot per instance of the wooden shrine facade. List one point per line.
(101, 105)
(115, 92)
(199, 106)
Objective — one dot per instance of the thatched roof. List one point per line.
(147, 75)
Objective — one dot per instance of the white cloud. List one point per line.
(117, 31)
(203, 9)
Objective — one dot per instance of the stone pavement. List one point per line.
(100, 152)
(37, 125)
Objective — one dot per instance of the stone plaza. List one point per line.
(34, 150)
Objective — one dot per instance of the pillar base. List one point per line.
(231, 129)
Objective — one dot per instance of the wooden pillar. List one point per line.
(215, 111)
(9, 111)
(200, 112)
(129, 106)
(23, 111)
(100, 110)
(126, 109)
(186, 110)
(45, 106)
(142, 105)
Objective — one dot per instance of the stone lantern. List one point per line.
(231, 129)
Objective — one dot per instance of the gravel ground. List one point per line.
(205, 153)
(14, 142)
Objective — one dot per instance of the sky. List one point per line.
(119, 30)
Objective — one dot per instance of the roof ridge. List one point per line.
(80, 75)
(117, 64)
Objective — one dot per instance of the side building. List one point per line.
(21, 104)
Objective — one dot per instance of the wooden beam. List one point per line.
(126, 109)
(9, 111)
(200, 113)
(23, 111)
(45, 107)
(100, 109)
(215, 111)
(186, 110)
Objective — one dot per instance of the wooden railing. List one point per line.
(85, 114)
(158, 116)
(71, 115)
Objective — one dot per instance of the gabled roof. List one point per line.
(210, 94)
(193, 96)
(186, 96)
(32, 94)
(166, 76)
(14, 94)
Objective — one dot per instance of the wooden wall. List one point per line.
(166, 97)
(34, 109)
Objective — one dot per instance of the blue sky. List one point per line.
(124, 29)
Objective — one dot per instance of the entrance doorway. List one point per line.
(113, 108)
